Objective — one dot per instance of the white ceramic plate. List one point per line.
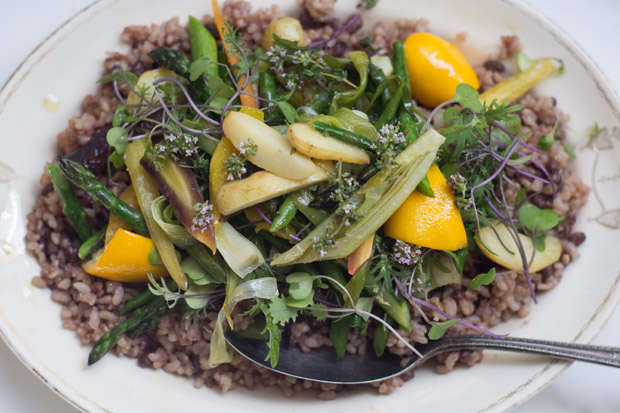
(574, 311)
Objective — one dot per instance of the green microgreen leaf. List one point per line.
(439, 329)
(483, 279)
(289, 111)
(524, 62)
(301, 303)
(115, 138)
(119, 116)
(536, 219)
(468, 97)
(117, 159)
(300, 285)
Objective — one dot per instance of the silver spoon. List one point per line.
(323, 365)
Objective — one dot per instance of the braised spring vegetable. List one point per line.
(293, 181)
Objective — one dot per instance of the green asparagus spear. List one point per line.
(91, 244)
(71, 206)
(83, 178)
(141, 315)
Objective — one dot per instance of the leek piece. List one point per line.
(237, 291)
(241, 255)
(374, 203)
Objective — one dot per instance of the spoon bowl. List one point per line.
(323, 365)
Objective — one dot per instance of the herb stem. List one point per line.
(188, 97)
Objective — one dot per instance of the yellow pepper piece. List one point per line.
(516, 86)
(436, 67)
(429, 222)
(253, 112)
(114, 223)
(217, 171)
(125, 259)
(147, 192)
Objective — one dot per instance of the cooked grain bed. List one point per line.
(90, 306)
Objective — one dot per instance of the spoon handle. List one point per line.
(609, 356)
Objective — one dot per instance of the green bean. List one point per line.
(301, 199)
(344, 135)
(71, 206)
(410, 128)
(267, 88)
(400, 69)
(378, 76)
(285, 215)
(91, 244)
(84, 179)
(203, 45)
(206, 260)
(389, 112)
(152, 309)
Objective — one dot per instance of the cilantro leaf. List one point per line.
(483, 279)
(439, 329)
(536, 219)
(280, 312)
(275, 335)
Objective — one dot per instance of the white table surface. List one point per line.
(581, 388)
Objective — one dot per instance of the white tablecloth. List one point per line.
(593, 24)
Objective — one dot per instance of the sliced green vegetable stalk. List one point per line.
(356, 285)
(147, 193)
(361, 62)
(241, 255)
(80, 176)
(183, 239)
(396, 308)
(237, 291)
(71, 206)
(203, 45)
(181, 189)
(372, 204)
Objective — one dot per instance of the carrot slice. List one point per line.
(220, 21)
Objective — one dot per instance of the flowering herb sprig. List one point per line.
(323, 244)
(203, 216)
(344, 186)
(458, 185)
(235, 165)
(406, 254)
(296, 65)
(390, 142)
